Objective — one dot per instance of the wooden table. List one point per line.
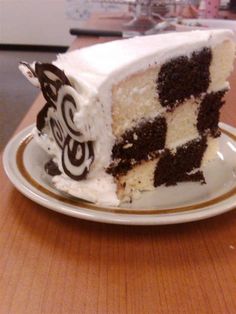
(51, 263)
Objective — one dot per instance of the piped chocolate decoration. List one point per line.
(28, 70)
(57, 131)
(58, 116)
(209, 113)
(173, 168)
(51, 79)
(77, 158)
(68, 109)
(51, 168)
(41, 117)
(182, 77)
(31, 73)
(149, 137)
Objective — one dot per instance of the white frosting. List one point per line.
(100, 190)
(93, 71)
(82, 115)
(46, 142)
(115, 60)
(25, 69)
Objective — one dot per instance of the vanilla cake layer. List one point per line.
(128, 105)
(130, 115)
(196, 114)
(145, 176)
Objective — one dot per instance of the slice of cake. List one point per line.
(130, 115)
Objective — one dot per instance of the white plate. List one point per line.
(23, 160)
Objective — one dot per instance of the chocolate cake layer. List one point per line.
(120, 168)
(140, 143)
(209, 113)
(173, 168)
(137, 143)
(183, 77)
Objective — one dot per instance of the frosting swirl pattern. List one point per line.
(77, 154)
(57, 131)
(67, 106)
(77, 158)
(51, 79)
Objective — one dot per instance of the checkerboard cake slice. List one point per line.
(131, 115)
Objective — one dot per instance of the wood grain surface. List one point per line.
(51, 263)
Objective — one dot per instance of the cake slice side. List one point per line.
(186, 94)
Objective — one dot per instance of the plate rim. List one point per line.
(103, 215)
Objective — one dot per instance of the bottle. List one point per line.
(202, 10)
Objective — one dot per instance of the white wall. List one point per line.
(40, 22)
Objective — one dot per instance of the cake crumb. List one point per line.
(133, 161)
(135, 136)
(127, 145)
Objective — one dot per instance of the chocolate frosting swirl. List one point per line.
(58, 113)
(77, 158)
(51, 79)
(57, 131)
(41, 117)
(68, 109)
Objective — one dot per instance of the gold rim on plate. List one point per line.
(86, 205)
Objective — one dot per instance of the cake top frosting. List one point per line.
(119, 58)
